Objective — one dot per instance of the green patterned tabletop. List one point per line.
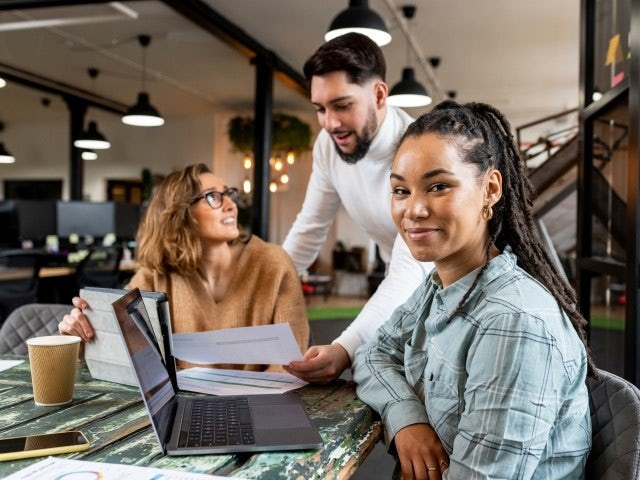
(113, 418)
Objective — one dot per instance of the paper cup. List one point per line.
(54, 362)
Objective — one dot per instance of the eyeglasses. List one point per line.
(214, 198)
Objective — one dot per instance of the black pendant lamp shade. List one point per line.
(5, 156)
(359, 18)
(92, 139)
(408, 92)
(143, 114)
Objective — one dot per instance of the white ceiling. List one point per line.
(517, 55)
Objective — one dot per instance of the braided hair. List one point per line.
(484, 138)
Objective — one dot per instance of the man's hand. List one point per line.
(76, 322)
(321, 363)
(420, 452)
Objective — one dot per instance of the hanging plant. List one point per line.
(289, 133)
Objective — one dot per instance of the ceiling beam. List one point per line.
(27, 4)
(54, 87)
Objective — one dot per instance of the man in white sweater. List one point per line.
(351, 160)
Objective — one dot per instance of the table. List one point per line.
(113, 418)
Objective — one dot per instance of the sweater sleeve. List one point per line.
(309, 230)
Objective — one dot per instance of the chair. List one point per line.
(30, 320)
(615, 417)
(101, 267)
(19, 279)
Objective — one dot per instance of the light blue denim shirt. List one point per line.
(502, 384)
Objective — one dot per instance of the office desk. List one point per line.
(115, 421)
(48, 272)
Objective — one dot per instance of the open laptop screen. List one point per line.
(155, 383)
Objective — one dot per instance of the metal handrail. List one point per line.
(551, 142)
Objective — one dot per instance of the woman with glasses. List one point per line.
(190, 246)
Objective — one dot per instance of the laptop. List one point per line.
(239, 423)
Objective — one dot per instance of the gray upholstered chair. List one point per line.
(30, 320)
(615, 418)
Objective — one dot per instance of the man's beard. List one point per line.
(363, 143)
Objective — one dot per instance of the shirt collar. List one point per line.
(451, 296)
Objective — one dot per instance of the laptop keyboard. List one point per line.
(217, 422)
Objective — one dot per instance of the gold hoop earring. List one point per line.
(487, 213)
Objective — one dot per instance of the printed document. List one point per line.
(218, 381)
(58, 468)
(264, 345)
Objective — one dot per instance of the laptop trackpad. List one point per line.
(268, 417)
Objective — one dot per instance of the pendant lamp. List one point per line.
(5, 156)
(91, 138)
(89, 155)
(143, 114)
(359, 18)
(408, 92)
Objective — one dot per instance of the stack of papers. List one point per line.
(264, 344)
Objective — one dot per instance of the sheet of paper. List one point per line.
(53, 468)
(7, 364)
(264, 345)
(218, 381)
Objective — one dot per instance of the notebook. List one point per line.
(106, 356)
(258, 423)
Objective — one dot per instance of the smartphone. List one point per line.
(41, 445)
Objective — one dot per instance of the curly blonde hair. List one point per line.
(168, 237)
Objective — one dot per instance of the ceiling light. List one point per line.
(359, 18)
(596, 95)
(143, 114)
(408, 92)
(89, 155)
(5, 156)
(3, 82)
(92, 139)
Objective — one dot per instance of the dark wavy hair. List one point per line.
(353, 53)
(483, 136)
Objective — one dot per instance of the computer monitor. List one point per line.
(127, 220)
(97, 219)
(36, 219)
(85, 218)
(9, 232)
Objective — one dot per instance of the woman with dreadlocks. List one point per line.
(481, 373)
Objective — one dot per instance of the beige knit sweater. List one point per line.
(265, 289)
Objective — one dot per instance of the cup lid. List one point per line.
(53, 340)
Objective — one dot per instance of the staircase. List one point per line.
(552, 160)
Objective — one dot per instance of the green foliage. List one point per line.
(289, 133)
